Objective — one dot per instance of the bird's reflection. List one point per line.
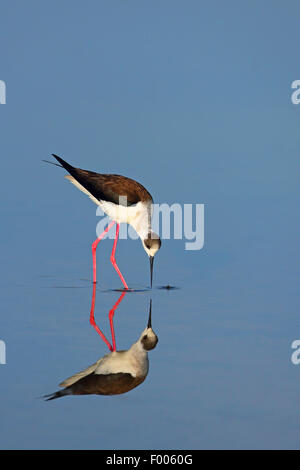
(118, 371)
(111, 319)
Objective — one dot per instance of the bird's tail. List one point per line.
(58, 394)
(62, 162)
(51, 163)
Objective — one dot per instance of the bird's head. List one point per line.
(151, 244)
(148, 338)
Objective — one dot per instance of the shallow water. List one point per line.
(204, 116)
(220, 375)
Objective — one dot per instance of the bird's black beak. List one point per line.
(149, 325)
(151, 259)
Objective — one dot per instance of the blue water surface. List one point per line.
(192, 99)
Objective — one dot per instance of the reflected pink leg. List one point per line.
(94, 247)
(92, 321)
(113, 259)
(111, 321)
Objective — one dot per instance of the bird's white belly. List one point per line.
(139, 215)
(120, 214)
(123, 362)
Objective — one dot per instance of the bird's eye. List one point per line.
(145, 337)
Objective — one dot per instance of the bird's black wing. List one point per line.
(108, 187)
(99, 384)
(106, 384)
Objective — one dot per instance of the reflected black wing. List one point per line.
(106, 384)
(98, 384)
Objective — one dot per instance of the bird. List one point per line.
(124, 200)
(115, 373)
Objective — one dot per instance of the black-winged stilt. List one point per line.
(123, 200)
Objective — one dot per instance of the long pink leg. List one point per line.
(94, 247)
(111, 319)
(93, 323)
(113, 259)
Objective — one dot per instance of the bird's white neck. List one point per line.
(139, 356)
(137, 349)
(141, 219)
